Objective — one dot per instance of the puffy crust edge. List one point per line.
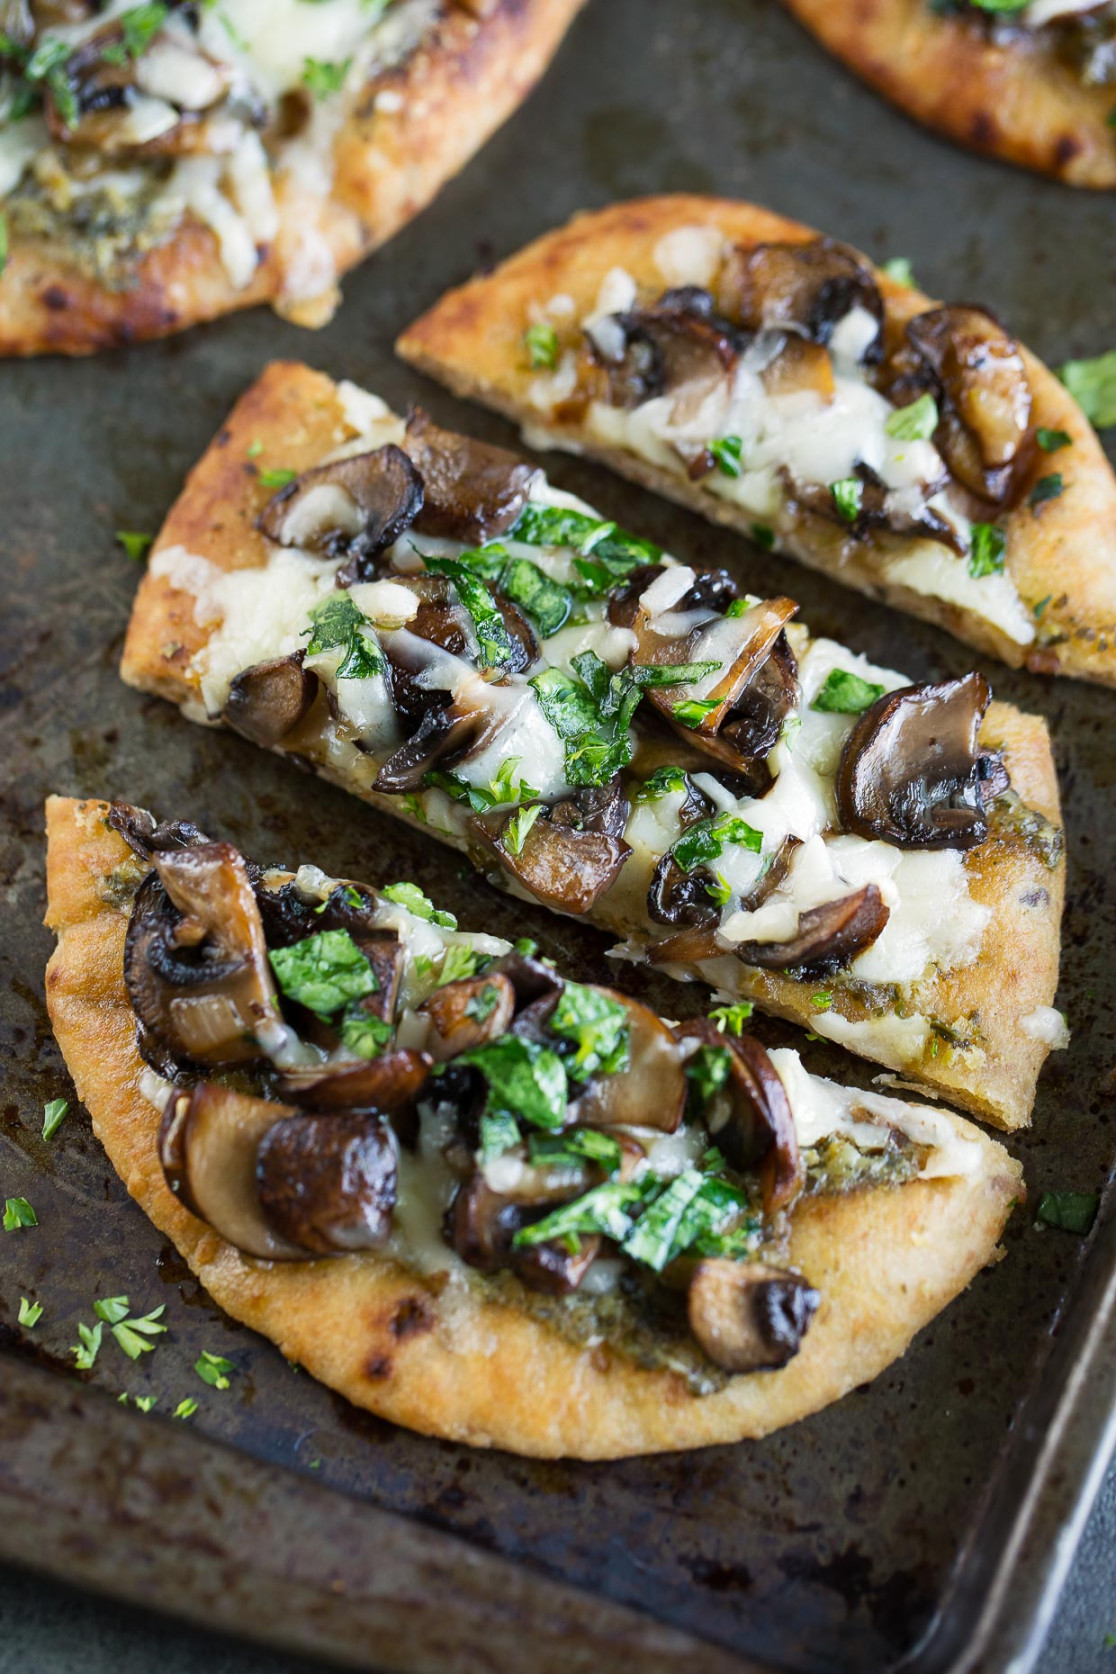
(449, 1363)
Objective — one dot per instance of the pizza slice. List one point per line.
(1031, 81)
(481, 1200)
(422, 619)
(776, 382)
(162, 164)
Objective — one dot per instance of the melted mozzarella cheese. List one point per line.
(821, 1107)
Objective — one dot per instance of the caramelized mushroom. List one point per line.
(195, 959)
(677, 347)
(750, 1117)
(474, 492)
(879, 508)
(748, 1316)
(651, 1092)
(443, 736)
(120, 102)
(827, 937)
(481, 1224)
(144, 836)
(208, 1143)
(328, 1183)
(385, 1083)
(357, 506)
(555, 1268)
(572, 853)
(268, 700)
(910, 771)
(467, 1013)
(806, 288)
(978, 373)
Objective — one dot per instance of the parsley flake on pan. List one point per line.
(1068, 1211)
(214, 1369)
(54, 1114)
(30, 1313)
(18, 1213)
(1092, 383)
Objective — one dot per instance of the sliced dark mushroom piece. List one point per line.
(681, 898)
(750, 1118)
(481, 1224)
(386, 1083)
(195, 958)
(910, 772)
(357, 507)
(468, 1013)
(442, 737)
(677, 347)
(651, 1092)
(120, 102)
(748, 1316)
(828, 937)
(474, 492)
(806, 288)
(328, 1182)
(895, 510)
(145, 836)
(976, 369)
(269, 700)
(572, 853)
(208, 1143)
(555, 1268)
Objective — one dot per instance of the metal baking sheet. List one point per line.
(925, 1517)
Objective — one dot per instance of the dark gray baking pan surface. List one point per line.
(923, 1517)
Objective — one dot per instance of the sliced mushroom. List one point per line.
(681, 898)
(443, 736)
(901, 511)
(827, 937)
(268, 700)
(678, 347)
(145, 837)
(556, 1269)
(474, 492)
(386, 1083)
(747, 1316)
(328, 1182)
(805, 288)
(357, 506)
(480, 1225)
(977, 370)
(153, 103)
(195, 959)
(749, 1117)
(910, 770)
(651, 1092)
(572, 853)
(208, 1143)
(467, 1013)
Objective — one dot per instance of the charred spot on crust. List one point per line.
(410, 1318)
(378, 1367)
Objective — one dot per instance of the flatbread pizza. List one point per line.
(163, 164)
(773, 380)
(478, 1199)
(423, 619)
(1030, 81)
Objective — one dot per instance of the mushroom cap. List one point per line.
(467, 1013)
(328, 1181)
(651, 1092)
(208, 1142)
(195, 959)
(385, 1083)
(676, 347)
(572, 854)
(358, 506)
(827, 937)
(910, 771)
(748, 1316)
(474, 492)
(803, 287)
(750, 1117)
(270, 699)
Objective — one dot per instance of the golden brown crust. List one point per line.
(443, 1360)
(1061, 556)
(296, 415)
(455, 90)
(1011, 97)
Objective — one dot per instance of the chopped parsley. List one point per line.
(591, 720)
(764, 536)
(726, 452)
(693, 1208)
(480, 1006)
(18, 1213)
(614, 552)
(324, 78)
(30, 1313)
(671, 674)
(86, 1351)
(138, 26)
(363, 1032)
(214, 1369)
(606, 1209)
(1068, 1211)
(494, 641)
(914, 423)
(708, 1070)
(691, 712)
(409, 895)
(134, 545)
(525, 1079)
(54, 1114)
(898, 270)
(1047, 488)
(599, 1028)
(663, 782)
(847, 496)
(186, 1408)
(1092, 383)
(822, 1000)
(323, 972)
(545, 601)
(845, 693)
(519, 826)
(132, 1335)
(703, 842)
(277, 479)
(731, 1019)
(577, 1145)
(541, 342)
(1050, 441)
(337, 624)
(987, 545)
(498, 1133)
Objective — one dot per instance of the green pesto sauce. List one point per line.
(105, 233)
(1009, 816)
(837, 1165)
